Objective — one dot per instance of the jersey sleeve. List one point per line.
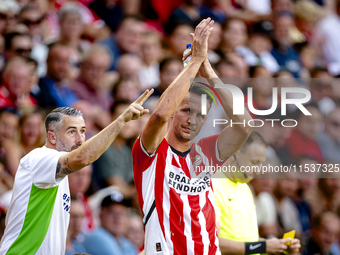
(42, 165)
(210, 149)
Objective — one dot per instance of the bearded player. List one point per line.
(177, 203)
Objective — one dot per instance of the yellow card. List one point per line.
(290, 234)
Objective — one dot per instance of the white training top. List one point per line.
(38, 217)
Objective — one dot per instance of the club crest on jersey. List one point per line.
(158, 247)
(198, 160)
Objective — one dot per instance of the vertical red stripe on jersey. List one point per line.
(184, 166)
(159, 180)
(177, 223)
(209, 215)
(194, 202)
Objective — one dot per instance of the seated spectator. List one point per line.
(53, 89)
(321, 89)
(31, 136)
(234, 35)
(329, 140)
(114, 166)
(109, 238)
(260, 45)
(16, 78)
(214, 43)
(151, 54)
(326, 196)
(87, 86)
(169, 68)
(325, 231)
(283, 51)
(79, 183)
(75, 232)
(262, 188)
(17, 44)
(177, 38)
(8, 11)
(126, 89)
(287, 213)
(129, 65)
(32, 17)
(302, 139)
(135, 229)
(189, 12)
(127, 39)
(226, 68)
(9, 120)
(326, 39)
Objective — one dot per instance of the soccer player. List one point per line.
(177, 203)
(38, 217)
(234, 205)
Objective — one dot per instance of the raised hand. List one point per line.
(199, 48)
(136, 110)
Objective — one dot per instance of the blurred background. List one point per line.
(98, 56)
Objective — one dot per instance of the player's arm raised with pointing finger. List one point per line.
(156, 127)
(91, 150)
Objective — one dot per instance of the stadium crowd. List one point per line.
(99, 56)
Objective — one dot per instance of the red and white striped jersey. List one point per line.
(184, 219)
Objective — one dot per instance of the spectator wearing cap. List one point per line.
(283, 51)
(259, 47)
(109, 238)
(329, 140)
(127, 39)
(53, 88)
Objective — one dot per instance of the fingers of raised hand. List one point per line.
(144, 97)
(201, 26)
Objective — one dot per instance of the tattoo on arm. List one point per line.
(64, 170)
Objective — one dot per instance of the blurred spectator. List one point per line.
(8, 11)
(178, 37)
(282, 5)
(151, 55)
(188, 12)
(17, 44)
(87, 86)
(226, 68)
(325, 231)
(126, 89)
(9, 120)
(114, 166)
(16, 78)
(127, 39)
(31, 136)
(71, 29)
(241, 66)
(214, 43)
(86, 110)
(260, 45)
(287, 213)
(327, 41)
(321, 89)
(329, 140)
(326, 196)
(302, 140)
(32, 17)
(53, 90)
(262, 187)
(111, 12)
(76, 234)
(129, 65)
(234, 35)
(135, 229)
(283, 51)
(109, 238)
(169, 69)
(79, 184)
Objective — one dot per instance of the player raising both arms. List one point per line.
(183, 221)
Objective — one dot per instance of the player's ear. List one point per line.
(52, 137)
